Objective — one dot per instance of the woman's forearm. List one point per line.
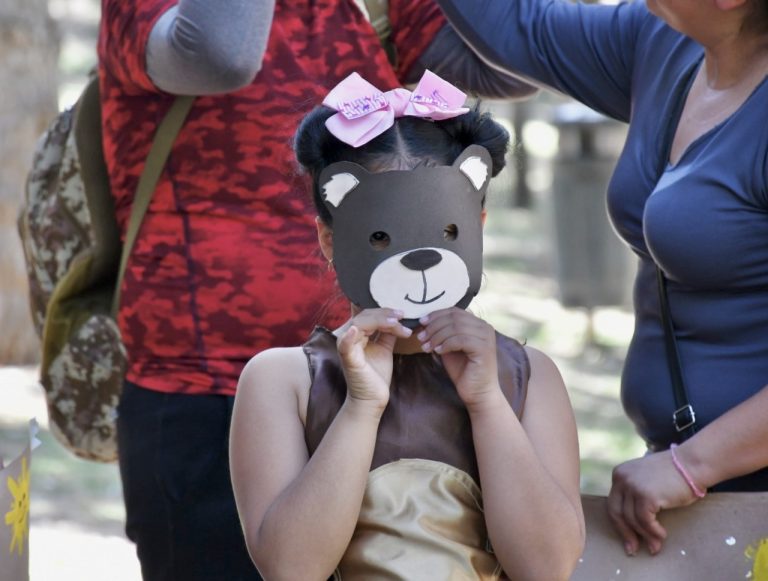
(307, 528)
(584, 50)
(733, 445)
(491, 28)
(451, 58)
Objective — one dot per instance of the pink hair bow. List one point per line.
(364, 112)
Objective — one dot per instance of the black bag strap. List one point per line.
(162, 143)
(684, 418)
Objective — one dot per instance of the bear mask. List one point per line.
(409, 240)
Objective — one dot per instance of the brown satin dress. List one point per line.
(422, 513)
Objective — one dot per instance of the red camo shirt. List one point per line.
(227, 263)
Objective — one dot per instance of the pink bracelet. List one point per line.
(684, 473)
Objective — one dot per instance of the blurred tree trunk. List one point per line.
(29, 46)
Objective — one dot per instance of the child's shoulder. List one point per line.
(542, 365)
(276, 356)
(545, 379)
(273, 387)
(533, 357)
(537, 357)
(535, 365)
(276, 368)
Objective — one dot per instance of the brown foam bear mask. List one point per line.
(409, 240)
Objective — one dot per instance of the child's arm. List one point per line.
(529, 470)
(299, 513)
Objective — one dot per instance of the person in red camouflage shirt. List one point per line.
(225, 264)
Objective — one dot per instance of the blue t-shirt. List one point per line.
(703, 220)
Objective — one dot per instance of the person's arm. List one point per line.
(539, 456)
(449, 57)
(586, 51)
(299, 513)
(529, 470)
(733, 445)
(203, 47)
(422, 40)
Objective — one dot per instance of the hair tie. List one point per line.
(365, 112)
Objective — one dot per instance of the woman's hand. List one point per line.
(365, 348)
(641, 488)
(467, 346)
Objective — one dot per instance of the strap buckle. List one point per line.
(684, 418)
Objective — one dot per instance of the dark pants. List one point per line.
(175, 470)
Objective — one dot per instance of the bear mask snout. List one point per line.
(421, 259)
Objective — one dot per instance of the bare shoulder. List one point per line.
(547, 394)
(273, 376)
(543, 369)
(290, 362)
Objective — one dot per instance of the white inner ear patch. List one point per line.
(340, 185)
(476, 170)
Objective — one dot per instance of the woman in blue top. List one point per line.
(689, 193)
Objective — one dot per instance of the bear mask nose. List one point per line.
(421, 259)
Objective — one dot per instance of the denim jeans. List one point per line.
(174, 465)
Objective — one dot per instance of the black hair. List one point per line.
(411, 141)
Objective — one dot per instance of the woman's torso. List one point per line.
(704, 221)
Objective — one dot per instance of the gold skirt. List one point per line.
(420, 519)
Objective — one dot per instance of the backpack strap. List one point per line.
(162, 143)
(377, 12)
(86, 126)
(378, 15)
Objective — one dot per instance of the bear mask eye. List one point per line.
(451, 232)
(379, 240)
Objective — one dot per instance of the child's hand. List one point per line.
(467, 346)
(365, 348)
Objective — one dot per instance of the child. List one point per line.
(362, 452)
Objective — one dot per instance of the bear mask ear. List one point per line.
(340, 185)
(338, 179)
(475, 163)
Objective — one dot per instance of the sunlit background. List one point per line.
(556, 276)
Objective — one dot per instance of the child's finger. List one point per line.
(348, 346)
(458, 324)
(470, 345)
(372, 321)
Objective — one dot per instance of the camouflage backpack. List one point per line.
(75, 264)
